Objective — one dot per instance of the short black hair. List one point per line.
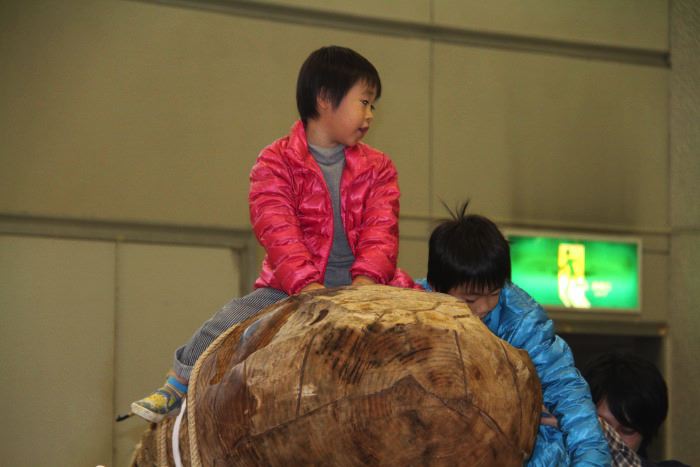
(331, 71)
(468, 250)
(634, 390)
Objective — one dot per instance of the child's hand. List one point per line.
(547, 418)
(312, 286)
(362, 280)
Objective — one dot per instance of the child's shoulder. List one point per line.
(517, 301)
(370, 156)
(521, 318)
(284, 149)
(369, 151)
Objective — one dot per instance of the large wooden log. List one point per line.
(373, 375)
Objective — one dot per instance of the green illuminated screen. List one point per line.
(581, 273)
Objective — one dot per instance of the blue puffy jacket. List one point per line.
(549, 450)
(521, 322)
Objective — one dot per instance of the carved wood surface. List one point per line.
(370, 375)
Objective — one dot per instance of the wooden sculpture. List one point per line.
(356, 376)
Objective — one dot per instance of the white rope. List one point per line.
(176, 434)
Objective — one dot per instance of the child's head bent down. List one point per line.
(469, 258)
(336, 92)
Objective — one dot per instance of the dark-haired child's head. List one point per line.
(469, 258)
(330, 72)
(630, 394)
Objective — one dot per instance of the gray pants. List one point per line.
(237, 310)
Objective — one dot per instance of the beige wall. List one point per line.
(57, 347)
(129, 128)
(684, 318)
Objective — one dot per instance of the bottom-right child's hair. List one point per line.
(467, 250)
(634, 390)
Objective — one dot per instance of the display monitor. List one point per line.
(577, 271)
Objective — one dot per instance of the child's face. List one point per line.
(348, 123)
(631, 437)
(481, 302)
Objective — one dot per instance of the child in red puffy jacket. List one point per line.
(323, 204)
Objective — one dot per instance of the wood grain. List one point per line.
(370, 375)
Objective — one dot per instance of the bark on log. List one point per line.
(356, 376)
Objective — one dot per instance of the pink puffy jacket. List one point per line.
(292, 216)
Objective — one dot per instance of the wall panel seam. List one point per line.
(533, 224)
(133, 232)
(115, 335)
(242, 240)
(425, 31)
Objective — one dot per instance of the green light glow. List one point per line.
(580, 273)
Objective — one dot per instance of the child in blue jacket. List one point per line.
(469, 258)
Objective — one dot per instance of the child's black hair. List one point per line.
(469, 250)
(331, 72)
(634, 390)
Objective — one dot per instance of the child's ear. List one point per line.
(323, 103)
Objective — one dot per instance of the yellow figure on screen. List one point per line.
(572, 275)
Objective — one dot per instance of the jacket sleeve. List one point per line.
(274, 221)
(404, 280)
(549, 449)
(377, 247)
(565, 392)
